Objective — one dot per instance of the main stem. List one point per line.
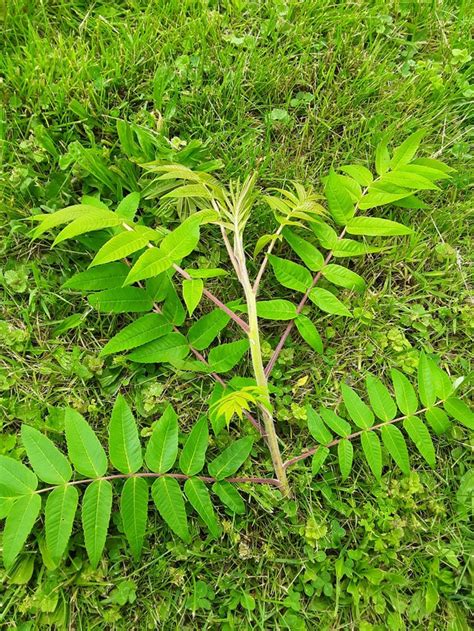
(258, 367)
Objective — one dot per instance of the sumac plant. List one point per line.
(143, 269)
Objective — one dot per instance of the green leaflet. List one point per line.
(96, 511)
(409, 179)
(396, 446)
(380, 399)
(19, 523)
(128, 206)
(406, 151)
(151, 263)
(169, 501)
(231, 459)
(327, 302)
(426, 382)
(60, 511)
(93, 220)
(361, 174)
(84, 448)
(146, 329)
(121, 300)
(404, 393)
(59, 217)
(344, 277)
(335, 422)
(339, 200)
(181, 241)
(438, 420)
(229, 496)
(290, 275)
(123, 244)
(276, 310)
(372, 452)
(15, 478)
(345, 456)
(224, 357)
(416, 430)
(168, 348)
(326, 235)
(49, 464)
(108, 276)
(173, 309)
(162, 447)
(349, 248)
(382, 156)
(309, 333)
(376, 227)
(319, 459)
(206, 272)
(316, 427)
(359, 411)
(203, 332)
(376, 197)
(124, 443)
(193, 455)
(308, 253)
(192, 293)
(199, 498)
(459, 410)
(134, 512)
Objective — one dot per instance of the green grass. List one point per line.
(353, 554)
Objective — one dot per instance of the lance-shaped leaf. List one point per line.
(162, 447)
(129, 206)
(231, 459)
(396, 446)
(372, 452)
(193, 455)
(134, 512)
(317, 428)
(94, 220)
(146, 329)
(96, 511)
(124, 244)
(380, 399)
(438, 420)
(168, 348)
(229, 496)
(173, 309)
(124, 443)
(426, 382)
(60, 511)
(49, 464)
(206, 329)
(151, 263)
(308, 253)
(84, 448)
(200, 500)
(404, 393)
(65, 215)
(345, 456)
(378, 197)
(109, 276)
(359, 411)
(361, 174)
(416, 430)
(121, 300)
(15, 478)
(224, 357)
(169, 501)
(192, 293)
(19, 523)
(328, 302)
(309, 333)
(340, 202)
(343, 277)
(350, 248)
(276, 310)
(382, 156)
(319, 459)
(406, 151)
(335, 422)
(290, 275)
(460, 411)
(181, 241)
(376, 227)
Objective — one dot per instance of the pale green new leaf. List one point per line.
(406, 151)
(192, 293)
(344, 277)
(134, 512)
(169, 501)
(416, 430)
(380, 399)
(108, 276)
(309, 333)
(169, 348)
(426, 382)
(206, 272)
(60, 511)
(96, 511)
(335, 422)
(123, 244)
(193, 455)
(231, 459)
(460, 411)
(378, 197)
(65, 215)
(94, 220)
(376, 227)
(229, 496)
(339, 200)
(405, 394)
(345, 456)
(396, 446)
(49, 464)
(124, 443)
(359, 411)
(203, 332)
(308, 253)
(15, 478)
(84, 448)
(361, 174)
(190, 190)
(129, 206)
(224, 357)
(319, 459)
(408, 179)
(121, 300)
(372, 452)
(316, 427)
(382, 156)
(276, 310)
(151, 263)
(162, 447)
(200, 500)
(19, 523)
(327, 302)
(290, 275)
(146, 329)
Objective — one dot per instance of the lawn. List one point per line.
(287, 89)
